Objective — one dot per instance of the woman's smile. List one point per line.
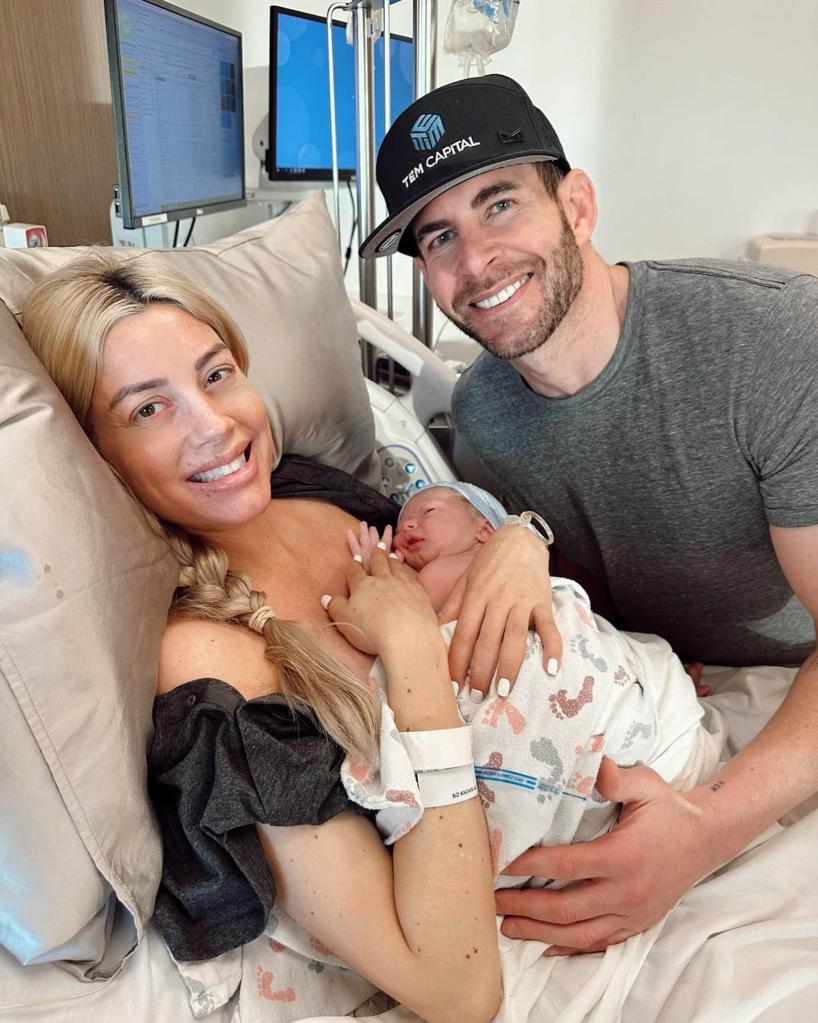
(221, 470)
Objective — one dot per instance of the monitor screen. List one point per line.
(300, 137)
(177, 90)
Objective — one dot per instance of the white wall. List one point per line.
(695, 118)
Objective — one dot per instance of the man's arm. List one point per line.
(665, 841)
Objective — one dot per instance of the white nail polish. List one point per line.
(326, 600)
(455, 689)
(476, 696)
(552, 666)
(358, 558)
(503, 687)
(381, 545)
(393, 555)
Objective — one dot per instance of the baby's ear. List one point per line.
(484, 530)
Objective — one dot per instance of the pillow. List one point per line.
(85, 586)
(282, 284)
(84, 590)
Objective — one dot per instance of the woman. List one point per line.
(155, 374)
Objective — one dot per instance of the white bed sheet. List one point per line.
(148, 989)
(741, 946)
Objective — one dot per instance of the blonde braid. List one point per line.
(311, 678)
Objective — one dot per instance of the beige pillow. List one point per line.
(84, 585)
(84, 588)
(282, 283)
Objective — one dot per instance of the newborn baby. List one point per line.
(537, 747)
(439, 531)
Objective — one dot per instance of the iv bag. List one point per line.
(478, 28)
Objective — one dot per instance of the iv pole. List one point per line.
(425, 24)
(425, 36)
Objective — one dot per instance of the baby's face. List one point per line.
(435, 523)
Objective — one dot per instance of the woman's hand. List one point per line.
(363, 543)
(505, 591)
(386, 603)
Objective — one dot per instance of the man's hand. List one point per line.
(505, 591)
(694, 670)
(623, 882)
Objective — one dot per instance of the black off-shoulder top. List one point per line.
(219, 763)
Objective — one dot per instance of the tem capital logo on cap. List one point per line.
(427, 131)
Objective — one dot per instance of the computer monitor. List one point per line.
(177, 90)
(300, 140)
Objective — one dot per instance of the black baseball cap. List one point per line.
(447, 136)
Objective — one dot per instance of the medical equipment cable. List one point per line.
(353, 229)
(189, 232)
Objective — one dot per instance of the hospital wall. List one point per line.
(695, 119)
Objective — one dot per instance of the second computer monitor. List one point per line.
(300, 146)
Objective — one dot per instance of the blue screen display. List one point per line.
(299, 95)
(182, 97)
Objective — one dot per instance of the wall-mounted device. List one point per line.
(176, 79)
(23, 236)
(299, 146)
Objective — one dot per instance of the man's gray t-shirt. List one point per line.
(662, 476)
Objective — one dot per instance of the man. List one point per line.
(664, 416)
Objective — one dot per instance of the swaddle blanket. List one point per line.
(537, 752)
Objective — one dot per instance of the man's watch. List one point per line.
(536, 523)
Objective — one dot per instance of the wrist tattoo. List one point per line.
(716, 786)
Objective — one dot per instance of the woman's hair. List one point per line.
(66, 320)
(69, 313)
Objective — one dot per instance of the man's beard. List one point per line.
(559, 280)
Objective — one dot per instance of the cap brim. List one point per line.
(392, 230)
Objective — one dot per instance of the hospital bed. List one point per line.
(82, 586)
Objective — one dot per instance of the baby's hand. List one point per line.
(364, 543)
(386, 604)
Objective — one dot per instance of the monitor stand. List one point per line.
(155, 236)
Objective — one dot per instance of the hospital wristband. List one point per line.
(450, 785)
(443, 763)
(438, 749)
(536, 523)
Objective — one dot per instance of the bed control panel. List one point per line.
(409, 458)
(402, 472)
